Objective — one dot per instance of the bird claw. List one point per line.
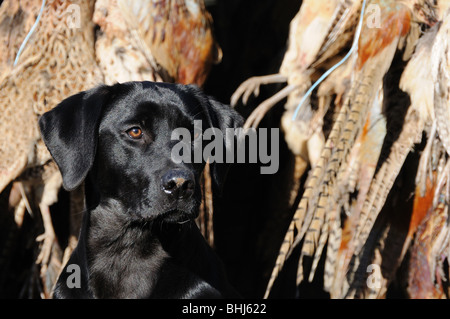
(258, 114)
(245, 90)
(43, 258)
(252, 86)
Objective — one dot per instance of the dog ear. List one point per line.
(222, 116)
(70, 131)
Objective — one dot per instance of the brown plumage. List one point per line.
(389, 247)
(317, 35)
(57, 61)
(364, 153)
(155, 40)
(430, 246)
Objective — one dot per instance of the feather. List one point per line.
(168, 41)
(440, 57)
(375, 54)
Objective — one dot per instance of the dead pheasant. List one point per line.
(431, 247)
(57, 60)
(319, 207)
(318, 33)
(350, 160)
(155, 40)
(426, 238)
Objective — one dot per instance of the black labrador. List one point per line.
(138, 237)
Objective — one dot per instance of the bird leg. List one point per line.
(19, 201)
(258, 113)
(48, 197)
(47, 238)
(252, 86)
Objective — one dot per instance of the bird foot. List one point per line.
(69, 249)
(251, 86)
(258, 114)
(47, 239)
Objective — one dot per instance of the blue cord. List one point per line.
(326, 74)
(29, 33)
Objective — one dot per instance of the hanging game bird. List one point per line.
(56, 62)
(155, 40)
(430, 248)
(374, 129)
(332, 24)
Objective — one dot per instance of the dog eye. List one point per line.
(135, 133)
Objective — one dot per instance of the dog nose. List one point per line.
(178, 183)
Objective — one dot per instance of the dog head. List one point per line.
(121, 136)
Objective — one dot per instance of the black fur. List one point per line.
(137, 240)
